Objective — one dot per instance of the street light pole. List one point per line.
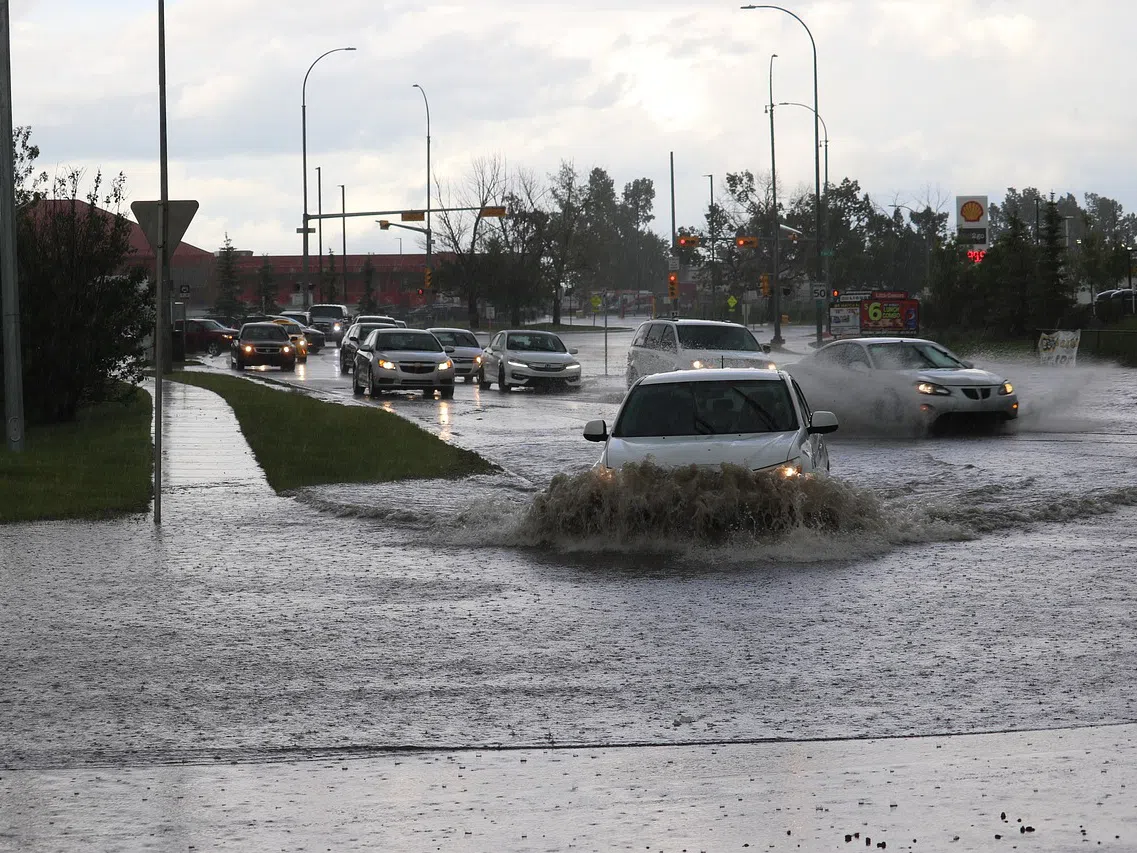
(777, 340)
(9, 281)
(343, 254)
(429, 234)
(305, 229)
(320, 231)
(816, 154)
(714, 279)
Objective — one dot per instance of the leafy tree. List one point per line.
(368, 304)
(567, 217)
(228, 301)
(329, 288)
(267, 288)
(78, 291)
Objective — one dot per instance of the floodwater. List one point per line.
(965, 584)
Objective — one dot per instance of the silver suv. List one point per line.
(332, 319)
(664, 345)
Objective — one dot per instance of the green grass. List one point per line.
(98, 466)
(301, 441)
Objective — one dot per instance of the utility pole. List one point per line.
(714, 270)
(9, 282)
(343, 254)
(320, 232)
(777, 340)
(161, 321)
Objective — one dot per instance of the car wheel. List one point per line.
(302, 360)
(289, 368)
(237, 365)
(502, 385)
(428, 393)
(214, 348)
(482, 379)
(447, 393)
(356, 388)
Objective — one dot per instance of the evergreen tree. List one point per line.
(267, 288)
(328, 287)
(228, 302)
(1053, 296)
(368, 304)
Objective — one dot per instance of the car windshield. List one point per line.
(291, 328)
(404, 341)
(456, 339)
(728, 407)
(534, 343)
(264, 333)
(330, 312)
(737, 338)
(366, 329)
(909, 355)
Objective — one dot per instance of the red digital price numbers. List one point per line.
(976, 255)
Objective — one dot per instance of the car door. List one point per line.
(669, 349)
(195, 336)
(491, 359)
(818, 450)
(650, 356)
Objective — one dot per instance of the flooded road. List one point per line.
(997, 595)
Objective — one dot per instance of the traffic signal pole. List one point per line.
(777, 340)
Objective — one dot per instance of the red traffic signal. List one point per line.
(746, 242)
(835, 293)
(420, 291)
(689, 241)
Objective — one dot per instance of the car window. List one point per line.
(292, 328)
(714, 337)
(843, 355)
(654, 334)
(264, 333)
(910, 355)
(641, 335)
(388, 340)
(706, 408)
(534, 342)
(667, 342)
(456, 339)
(805, 410)
(194, 326)
(496, 342)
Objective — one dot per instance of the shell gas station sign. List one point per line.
(972, 225)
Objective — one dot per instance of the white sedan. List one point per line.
(757, 419)
(525, 358)
(906, 383)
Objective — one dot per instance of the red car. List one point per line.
(204, 335)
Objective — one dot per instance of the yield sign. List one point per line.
(179, 215)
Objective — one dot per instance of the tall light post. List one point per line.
(343, 253)
(825, 194)
(777, 340)
(429, 233)
(9, 283)
(319, 233)
(305, 229)
(816, 151)
(714, 278)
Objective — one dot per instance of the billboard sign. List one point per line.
(972, 225)
(890, 317)
(844, 320)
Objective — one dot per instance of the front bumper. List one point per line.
(413, 381)
(256, 359)
(542, 376)
(959, 403)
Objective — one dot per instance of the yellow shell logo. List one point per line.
(972, 211)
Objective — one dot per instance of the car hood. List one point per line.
(541, 357)
(412, 355)
(467, 352)
(732, 358)
(954, 377)
(753, 451)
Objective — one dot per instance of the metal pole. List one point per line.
(343, 254)
(304, 162)
(429, 233)
(320, 232)
(160, 306)
(1129, 275)
(777, 285)
(714, 282)
(674, 302)
(9, 269)
(605, 332)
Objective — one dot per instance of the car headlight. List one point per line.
(698, 365)
(790, 469)
(517, 364)
(932, 388)
(575, 365)
(446, 365)
(477, 359)
(1007, 388)
(336, 327)
(227, 337)
(386, 365)
(286, 349)
(248, 348)
(771, 366)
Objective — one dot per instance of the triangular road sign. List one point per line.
(180, 216)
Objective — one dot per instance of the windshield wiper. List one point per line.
(700, 422)
(771, 425)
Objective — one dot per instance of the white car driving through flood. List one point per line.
(756, 419)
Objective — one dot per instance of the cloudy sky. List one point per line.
(921, 97)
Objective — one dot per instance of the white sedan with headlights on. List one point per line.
(756, 419)
(463, 348)
(531, 359)
(906, 383)
(394, 359)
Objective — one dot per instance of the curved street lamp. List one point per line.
(304, 229)
(429, 240)
(816, 146)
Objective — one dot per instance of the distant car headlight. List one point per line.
(477, 359)
(573, 365)
(1007, 388)
(517, 364)
(286, 349)
(227, 337)
(386, 365)
(698, 365)
(932, 388)
(446, 365)
(336, 327)
(248, 348)
(771, 366)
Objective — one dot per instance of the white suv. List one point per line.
(663, 345)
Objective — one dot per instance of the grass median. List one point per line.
(97, 466)
(301, 441)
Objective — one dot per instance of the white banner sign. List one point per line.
(845, 320)
(1059, 348)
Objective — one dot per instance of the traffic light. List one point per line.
(426, 279)
(689, 241)
(384, 224)
(420, 291)
(835, 293)
(746, 242)
(673, 285)
(764, 281)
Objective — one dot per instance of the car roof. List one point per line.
(692, 322)
(718, 374)
(882, 340)
(268, 323)
(528, 332)
(449, 329)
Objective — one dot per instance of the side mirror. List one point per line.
(766, 348)
(354, 338)
(366, 348)
(596, 431)
(969, 364)
(573, 351)
(822, 422)
(449, 349)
